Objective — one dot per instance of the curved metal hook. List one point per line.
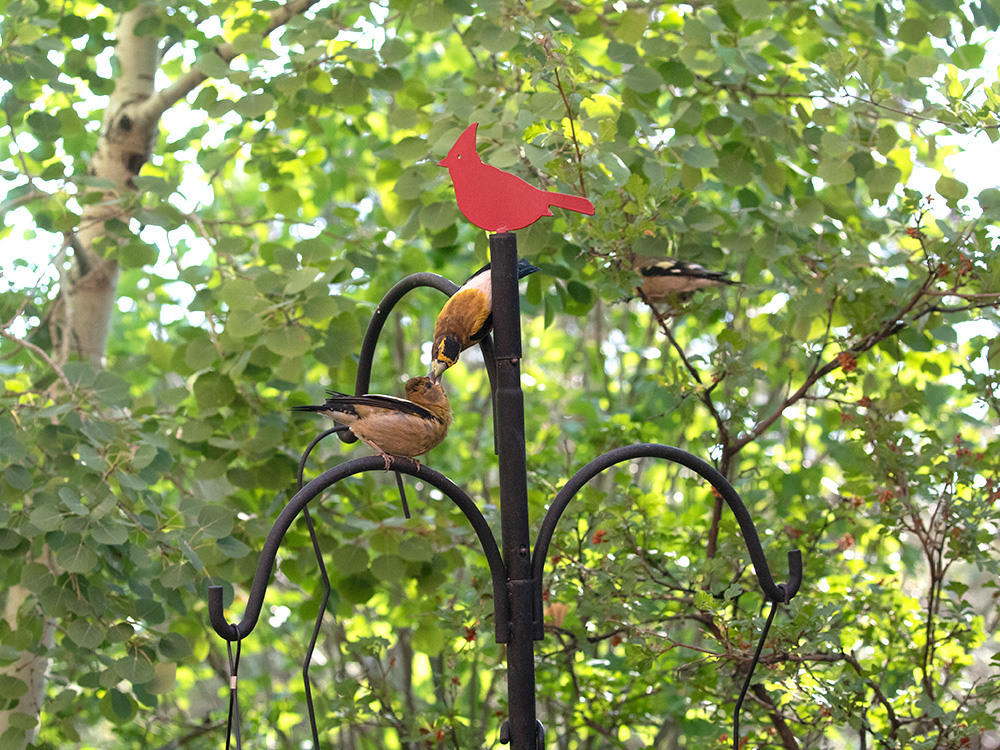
(774, 592)
(316, 441)
(268, 554)
(394, 295)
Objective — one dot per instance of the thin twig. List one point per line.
(572, 131)
(41, 353)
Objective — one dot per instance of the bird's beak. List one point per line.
(437, 369)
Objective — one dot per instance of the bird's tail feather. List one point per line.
(571, 203)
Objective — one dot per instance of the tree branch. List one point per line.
(155, 106)
(784, 731)
(890, 327)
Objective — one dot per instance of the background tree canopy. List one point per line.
(204, 201)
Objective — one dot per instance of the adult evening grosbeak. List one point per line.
(666, 277)
(466, 318)
(393, 426)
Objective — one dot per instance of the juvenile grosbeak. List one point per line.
(663, 278)
(466, 318)
(406, 427)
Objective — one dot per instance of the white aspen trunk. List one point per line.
(126, 141)
(31, 669)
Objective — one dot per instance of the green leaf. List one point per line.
(415, 550)
(989, 202)
(76, 557)
(232, 548)
(9, 540)
(357, 589)
(428, 638)
(753, 10)
(969, 56)
(676, 73)
(46, 518)
(643, 79)
(393, 50)
(137, 668)
(253, 106)
(213, 390)
(136, 254)
(174, 646)
(631, 27)
(349, 559)
(288, 342)
(86, 634)
(835, 171)
(18, 477)
(149, 25)
(350, 91)
(164, 678)
(111, 389)
(388, 568)
(242, 324)
(175, 576)
(951, 189)
(117, 707)
(438, 216)
(12, 688)
(215, 521)
(109, 531)
(432, 17)
(43, 125)
(881, 20)
(882, 181)
(388, 79)
(700, 157)
(912, 31)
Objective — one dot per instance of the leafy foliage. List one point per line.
(847, 387)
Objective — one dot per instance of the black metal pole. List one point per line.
(509, 429)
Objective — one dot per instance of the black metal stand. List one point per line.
(517, 573)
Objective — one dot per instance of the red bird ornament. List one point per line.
(495, 200)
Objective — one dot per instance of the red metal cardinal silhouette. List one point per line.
(495, 200)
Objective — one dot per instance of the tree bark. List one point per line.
(29, 668)
(126, 141)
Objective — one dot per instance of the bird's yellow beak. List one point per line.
(437, 369)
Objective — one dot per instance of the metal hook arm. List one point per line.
(774, 592)
(268, 554)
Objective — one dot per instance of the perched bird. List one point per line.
(495, 200)
(406, 427)
(466, 318)
(663, 278)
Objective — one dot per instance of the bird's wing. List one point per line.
(480, 333)
(682, 269)
(348, 403)
(379, 401)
